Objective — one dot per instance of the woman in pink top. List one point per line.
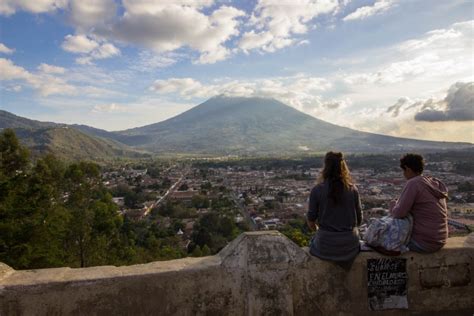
(425, 198)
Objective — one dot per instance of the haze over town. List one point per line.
(401, 68)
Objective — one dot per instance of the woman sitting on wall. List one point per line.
(334, 206)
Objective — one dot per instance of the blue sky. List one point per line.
(396, 67)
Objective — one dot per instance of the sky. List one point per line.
(395, 67)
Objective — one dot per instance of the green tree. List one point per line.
(49, 218)
(15, 213)
(200, 201)
(197, 251)
(94, 225)
(14, 158)
(206, 251)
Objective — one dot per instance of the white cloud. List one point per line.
(10, 71)
(154, 7)
(149, 61)
(79, 44)
(47, 82)
(9, 7)
(109, 108)
(451, 41)
(276, 23)
(298, 91)
(186, 87)
(85, 14)
(379, 7)
(50, 69)
(89, 48)
(5, 50)
(438, 55)
(14, 88)
(164, 28)
(105, 51)
(142, 111)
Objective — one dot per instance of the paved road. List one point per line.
(243, 211)
(170, 190)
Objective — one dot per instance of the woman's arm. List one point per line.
(358, 206)
(313, 209)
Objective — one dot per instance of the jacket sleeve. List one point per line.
(358, 206)
(313, 208)
(405, 201)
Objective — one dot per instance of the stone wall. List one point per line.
(259, 273)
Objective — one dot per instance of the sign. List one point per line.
(387, 283)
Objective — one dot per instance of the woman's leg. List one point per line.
(414, 246)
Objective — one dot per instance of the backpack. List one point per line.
(389, 234)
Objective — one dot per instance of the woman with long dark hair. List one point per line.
(334, 206)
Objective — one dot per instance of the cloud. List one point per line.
(277, 23)
(457, 36)
(379, 121)
(47, 82)
(109, 108)
(395, 109)
(88, 48)
(186, 87)
(164, 28)
(85, 14)
(149, 61)
(14, 88)
(153, 7)
(5, 50)
(10, 71)
(402, 119)
(79, 44)
(105, 51)
(9, 7)
(301, 92)
(437, 55)
(456, 106)
(50, 69)
(379, 7)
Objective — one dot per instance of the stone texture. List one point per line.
(259, 273)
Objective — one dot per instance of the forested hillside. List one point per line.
(53, 214)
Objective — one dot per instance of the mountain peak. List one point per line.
(225, 96)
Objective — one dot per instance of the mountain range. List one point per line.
(220, 126)
(65, 141)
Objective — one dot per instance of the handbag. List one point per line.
(389, 235)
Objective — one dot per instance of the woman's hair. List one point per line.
(413, 161)
(337, 174)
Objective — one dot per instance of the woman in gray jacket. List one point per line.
(335, 213)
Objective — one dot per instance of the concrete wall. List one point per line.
(259, 273)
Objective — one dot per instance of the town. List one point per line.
(256, 195)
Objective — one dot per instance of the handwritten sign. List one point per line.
(387, 283)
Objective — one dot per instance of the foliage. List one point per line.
(52, 215)
(298, 232)
(214, 230)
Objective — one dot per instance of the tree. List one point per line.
(214, 231)
(197, 251)
(14, 158)
(183, 187)
(206, 251)
(15, 213)
(49, 218)
(95, 221)
(200, 201)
